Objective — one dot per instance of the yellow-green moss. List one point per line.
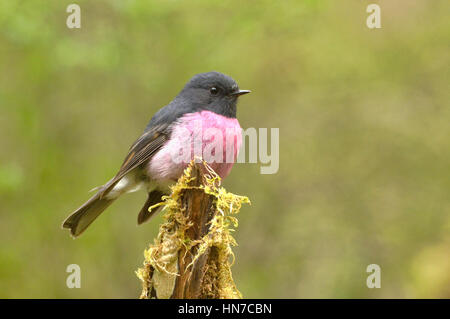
(161, 259)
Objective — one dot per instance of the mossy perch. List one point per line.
(191, 255)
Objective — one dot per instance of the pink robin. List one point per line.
(205, 107)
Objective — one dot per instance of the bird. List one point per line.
(207, 104)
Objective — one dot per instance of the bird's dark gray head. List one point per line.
(213, 91)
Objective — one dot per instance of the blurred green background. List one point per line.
(364, 140)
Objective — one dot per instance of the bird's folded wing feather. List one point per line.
(140, 152)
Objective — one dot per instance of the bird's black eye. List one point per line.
(213, 90)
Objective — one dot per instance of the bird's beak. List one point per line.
(240, 92)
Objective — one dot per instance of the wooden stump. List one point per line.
(191, 256)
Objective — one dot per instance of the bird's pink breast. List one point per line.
(193, 133)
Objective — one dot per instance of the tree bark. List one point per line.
(199, 210)
(191, 256)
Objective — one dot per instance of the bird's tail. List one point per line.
(79, 220)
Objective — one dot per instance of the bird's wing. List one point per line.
(140, 152)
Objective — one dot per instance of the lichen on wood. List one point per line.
(192, 255)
